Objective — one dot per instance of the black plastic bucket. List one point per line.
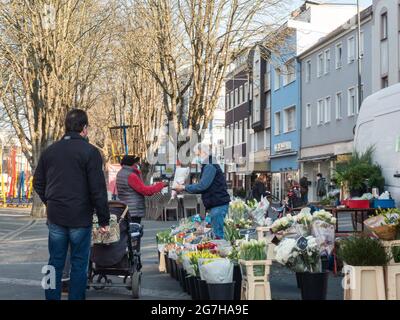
(167, 263)
(203, 292)
(314, 286)
(221, 291)
(298, 279)
(183, 279)
(237, 278)
(187, 281)
(193, 290)
(172, 267)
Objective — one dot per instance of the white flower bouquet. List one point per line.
(299, 259)
(325, 216)
(283, 223)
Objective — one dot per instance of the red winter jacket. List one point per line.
(136, 183)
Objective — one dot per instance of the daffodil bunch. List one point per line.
(194, 257)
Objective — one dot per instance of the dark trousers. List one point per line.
(78, 239)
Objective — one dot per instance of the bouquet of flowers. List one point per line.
(238, 210)
(216, 270)
(299, 257)
(325, 216)
(254, 250)
(283, 224)
(385, 224)
(194, 257)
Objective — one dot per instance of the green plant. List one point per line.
(363, 251)
(396, 254)
(231, 233)
(254, 250)
(359, 169)
(164, 237)
(391, 215)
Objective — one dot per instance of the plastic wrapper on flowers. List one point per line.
(324, 234)
(187, 265)
(216, 270)
(258, 214)
(172, 255)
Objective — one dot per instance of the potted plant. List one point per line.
(360, 173)
(302, 255)
(255, 270)
(364, 259)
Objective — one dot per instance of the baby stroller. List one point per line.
(121, 258)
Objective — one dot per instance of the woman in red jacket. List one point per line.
(131, 188)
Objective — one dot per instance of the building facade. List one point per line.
(238, 98)
(329, 97)
(312, 21)
(386, 44)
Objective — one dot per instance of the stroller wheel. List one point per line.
(136, 279)
(99, 280)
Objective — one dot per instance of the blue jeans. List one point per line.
(217, 215)
(79, 241)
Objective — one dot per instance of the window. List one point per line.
(351, 50)
(240, 140)
(236, 97)
(231, 103)
(352, 102)
(251, 91)
(227, 106)
(338, 105)
(289, 119)
(338, 55)
(290, 72)
(267, 80)
(236, 141)
(320, 112)
(308, 115)
(246, 91)
(277, 122)
(240, 94)
(277, 79)
(327, 109)
(385, 82)
(266, 140)
(256, 109)
(327, 61)
(320, 65)
(384, 26)
(245, 130)
(227, 136)
(308, 71)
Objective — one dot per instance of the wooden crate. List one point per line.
(364, 283)
(255, 287)
(392, 282)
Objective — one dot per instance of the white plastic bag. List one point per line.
(161, 248)
(187, 266)
(258, 214)
(216, 270)
(172, 255)
(180, 177)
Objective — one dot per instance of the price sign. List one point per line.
(302, 243)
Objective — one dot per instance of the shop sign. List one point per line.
(283, 146)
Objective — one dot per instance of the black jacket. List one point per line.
(259, 190)
(70, 181)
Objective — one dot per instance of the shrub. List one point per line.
(363, 251)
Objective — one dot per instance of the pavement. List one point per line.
(23, 253)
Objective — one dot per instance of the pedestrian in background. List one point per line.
(304, 189)
(321, 188)
(259, 189)
(70, 181)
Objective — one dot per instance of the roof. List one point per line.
(321, 42)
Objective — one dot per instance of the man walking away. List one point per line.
(69, 179)
(212, 187)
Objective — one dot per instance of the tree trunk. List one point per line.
(38, 208)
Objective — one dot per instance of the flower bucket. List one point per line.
(193, 290)
(314, 285)
(197, 286)
(167, 263)
(178, 273)
(182, 279)
(298, 280)
(221, 291)
(187, 284)
(203, 290)
(172, 268)
(237, 278)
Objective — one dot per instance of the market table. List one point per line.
(356, 213)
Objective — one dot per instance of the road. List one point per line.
(23, 253)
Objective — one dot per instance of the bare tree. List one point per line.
(51, 54)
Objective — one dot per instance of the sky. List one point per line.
(363, 3)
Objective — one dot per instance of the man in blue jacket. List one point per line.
(212, 187)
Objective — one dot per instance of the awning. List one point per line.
(318, 157)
